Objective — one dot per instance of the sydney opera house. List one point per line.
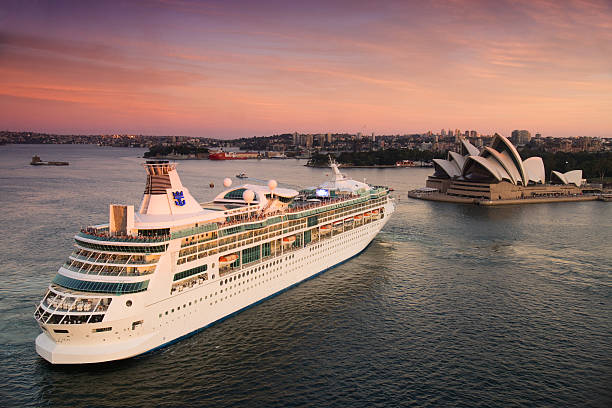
(499, 173)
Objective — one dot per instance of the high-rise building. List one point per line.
(309, 140)
(473, 133)
(443, 132)
(328, 138)
(520, 137)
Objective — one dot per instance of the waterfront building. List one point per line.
(498, 173)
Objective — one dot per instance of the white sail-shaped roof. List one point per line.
(534, 169)
(571, 177)
(491, 165)
(500, 143)
(505, 161)
(458, 159)
(468, 148)
(449, 167)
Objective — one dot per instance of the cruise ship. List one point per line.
(151, 277)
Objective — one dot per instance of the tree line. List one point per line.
(185, 149)
(377, 157)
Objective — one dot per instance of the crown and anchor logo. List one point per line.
(179, 199)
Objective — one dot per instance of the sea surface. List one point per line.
(451, 305)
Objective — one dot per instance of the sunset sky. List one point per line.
(242, 68)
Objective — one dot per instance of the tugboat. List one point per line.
(37, 162)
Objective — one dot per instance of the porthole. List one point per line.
(128, 303)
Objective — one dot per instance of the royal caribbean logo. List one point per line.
(178, 198)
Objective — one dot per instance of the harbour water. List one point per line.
(451, 305)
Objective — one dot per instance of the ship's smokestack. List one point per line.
(164, 193)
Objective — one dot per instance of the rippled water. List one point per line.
(452, 305)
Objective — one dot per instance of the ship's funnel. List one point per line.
(164, 193)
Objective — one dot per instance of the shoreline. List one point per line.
(375, 166)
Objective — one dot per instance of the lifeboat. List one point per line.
(349, 220)
(289, 240)
(227, 259)
(325, 227)
(358, 217)
(367, 214)
(375, 212)
(338, 224)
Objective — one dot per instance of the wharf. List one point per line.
(441, 197)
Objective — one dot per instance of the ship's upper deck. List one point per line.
(159, 220)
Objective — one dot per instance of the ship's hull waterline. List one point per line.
(196, 308)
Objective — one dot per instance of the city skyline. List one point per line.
(213, 69)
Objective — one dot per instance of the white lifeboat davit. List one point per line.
(227, 259)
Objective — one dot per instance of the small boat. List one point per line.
(375, 212)
(242, 176)
(358, 217)
(325, 228)
(36, 161)
(338, 224)
(349, 220)
(227, 259)
(289, 240)
(367, 214)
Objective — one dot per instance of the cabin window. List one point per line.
(102, 329)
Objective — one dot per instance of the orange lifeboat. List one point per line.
(375, 212)
(325, 227)
(227, 259)
(358, 217)
(289, 240)
(367, 214)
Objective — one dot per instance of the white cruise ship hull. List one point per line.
(196, 308)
